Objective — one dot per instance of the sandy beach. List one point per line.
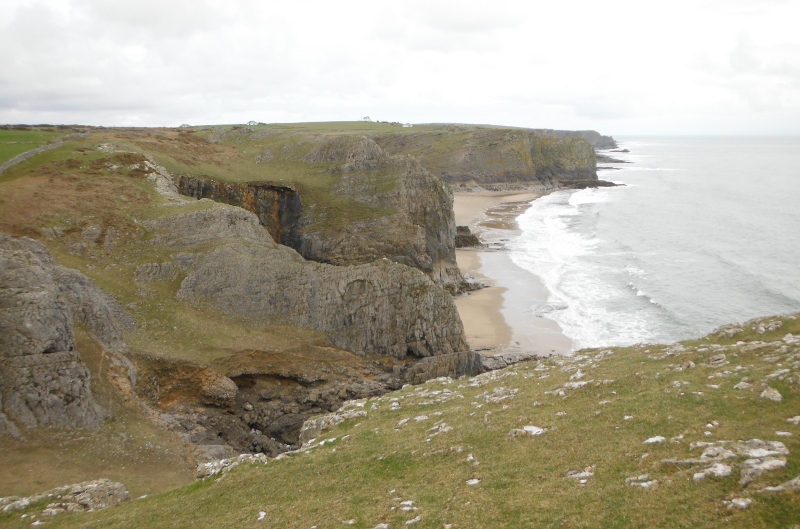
(499, 318)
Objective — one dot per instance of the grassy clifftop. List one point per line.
(627, 436)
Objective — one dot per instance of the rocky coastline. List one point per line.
(369, 291)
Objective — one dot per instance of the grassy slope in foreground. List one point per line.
(370, 465)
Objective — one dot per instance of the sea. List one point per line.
(702, 232)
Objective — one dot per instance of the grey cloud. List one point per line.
(168, 19)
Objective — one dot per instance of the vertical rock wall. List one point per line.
(43, 381)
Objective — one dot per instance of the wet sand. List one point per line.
(501, 318)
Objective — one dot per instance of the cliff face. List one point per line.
(417, 228)
(43, 380)
(498, 156)
(278, 207)
(595, 139)
(401, 326)
(380, 308)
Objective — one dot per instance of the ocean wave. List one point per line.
(558, 243)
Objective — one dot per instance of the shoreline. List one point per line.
(498, 319)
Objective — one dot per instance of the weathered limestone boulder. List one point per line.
(465, 238)
(379, 308)
(43, 380)
(86, 496)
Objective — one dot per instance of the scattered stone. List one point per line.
(86, 496)
(717, 452)
(752, 468)
(382, 526)
(407, 506)
(401, 423)
(526, 430)
(439, 429)
(794, 420)
(718, 360)
(655, 440)
(768, 326)
(743, 385)
(223, 466)
(577, 375)
(498, 395)
(314, 427)
(758, 449)
(413, 520)
(420, 418)
(772, 394)
(627, 418)
(738, 503)
(261, 515)
(577, 385)
(472, 482)
(718, 470)
(643, 481)
(783, 434)
(582, 475)
(791, 340)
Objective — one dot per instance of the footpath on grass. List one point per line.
(33, 152)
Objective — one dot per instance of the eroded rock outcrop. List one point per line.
(465, 238)
(416, 228)
(80, 497)
(380, 308)
(44, 381)
(387, 323)
(493, 157)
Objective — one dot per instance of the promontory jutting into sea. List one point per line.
(703, 231)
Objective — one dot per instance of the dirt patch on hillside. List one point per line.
(57, 196)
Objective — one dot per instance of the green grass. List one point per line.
(364, 476)
(523, 479)
(14, 142)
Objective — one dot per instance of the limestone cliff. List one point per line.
(499, 156)
(595, 139)
(416, 228)
(380, 308)
(43, 381)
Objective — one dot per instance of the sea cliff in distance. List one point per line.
(178, 296)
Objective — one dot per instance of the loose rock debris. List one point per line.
(643, 481)
(738, 503)
(717, 470)
(582, 476)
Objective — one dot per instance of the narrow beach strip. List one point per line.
(498, 319)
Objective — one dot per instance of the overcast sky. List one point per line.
(622, 67)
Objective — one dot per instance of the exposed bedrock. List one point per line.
(277, 206)
(595, 139)
(465, 238)
(417, 228)
(493, 156)
(264, 398)
(380, 308)
(43, 380)
(389, 324)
